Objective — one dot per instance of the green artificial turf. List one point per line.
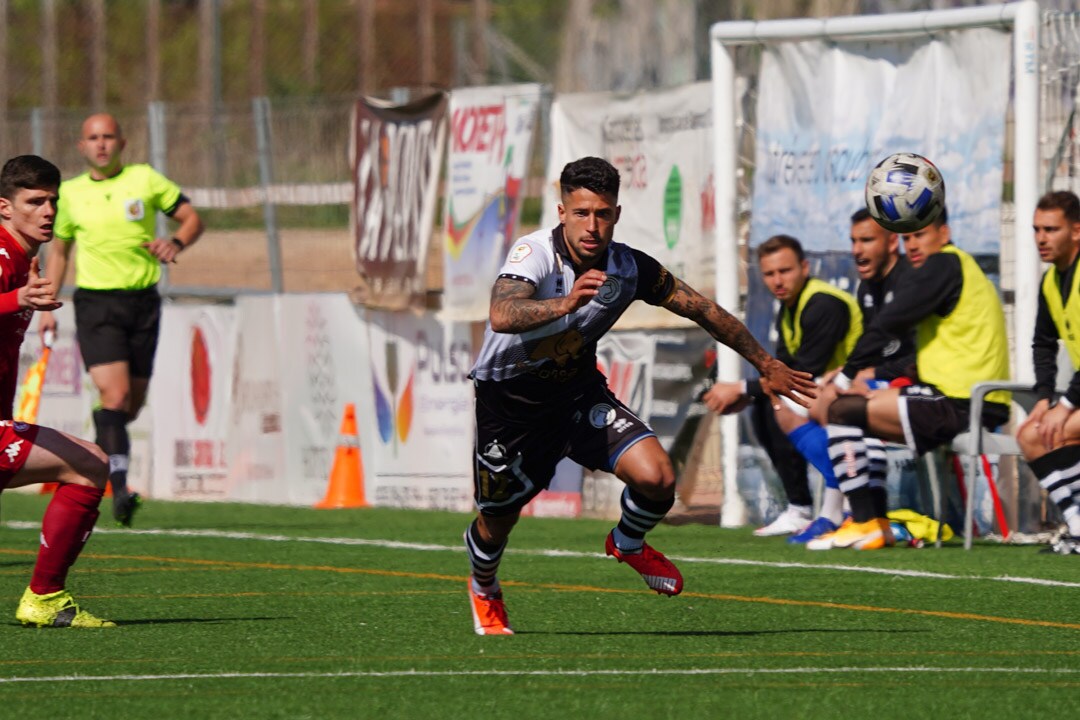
(240, 611)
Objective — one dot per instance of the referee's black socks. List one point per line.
(113, 438)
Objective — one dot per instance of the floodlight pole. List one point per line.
(1022, 17)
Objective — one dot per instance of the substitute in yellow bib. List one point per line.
(110, 212)
(960, 340)
(1050, 437)
(817, 326)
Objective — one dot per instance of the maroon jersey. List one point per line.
(14, 271)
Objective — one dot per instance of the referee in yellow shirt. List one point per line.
(110, 212)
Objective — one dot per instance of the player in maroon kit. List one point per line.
(29, 189)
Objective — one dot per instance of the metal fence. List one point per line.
(270, 179)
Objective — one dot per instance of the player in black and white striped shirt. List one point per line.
(540, 397)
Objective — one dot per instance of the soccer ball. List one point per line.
(905, 193)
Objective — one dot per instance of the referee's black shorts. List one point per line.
(118, 325)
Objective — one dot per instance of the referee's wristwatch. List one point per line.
(178, 243)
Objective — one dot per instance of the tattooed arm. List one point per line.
(513, 309)
(776, 377)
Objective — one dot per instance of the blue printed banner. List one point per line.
(828, 112)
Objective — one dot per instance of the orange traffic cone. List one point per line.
(346, 486)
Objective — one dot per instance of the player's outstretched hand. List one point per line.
(778, 379)
(585, 288)
(38, 293)
(725, 398)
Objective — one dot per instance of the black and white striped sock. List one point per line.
(639, 516)
(878, 472)
(484, 558)
(847, 450)
(1058, 472)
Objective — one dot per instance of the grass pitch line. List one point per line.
(537, 673)
(432, 547)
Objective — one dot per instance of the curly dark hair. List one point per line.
(590, 173)
(28, 172)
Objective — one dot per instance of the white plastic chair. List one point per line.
(978, 441)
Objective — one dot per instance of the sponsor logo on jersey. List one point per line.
(12, 450)
(890, 348)
(609, 291)
(561, 348)
(602, 415)
(20, 427)
(495, 452)
(520, 252)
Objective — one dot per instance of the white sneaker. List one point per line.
(793, 520)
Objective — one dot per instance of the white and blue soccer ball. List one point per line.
(905, 192)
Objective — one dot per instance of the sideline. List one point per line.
(539, 673)
(430, 547)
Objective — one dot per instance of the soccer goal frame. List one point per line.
(1023, 20)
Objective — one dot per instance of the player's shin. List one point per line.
(113, 438)
(1058, 472)
(812, 442)
(69, 519)
(484, 558)
(639, 516)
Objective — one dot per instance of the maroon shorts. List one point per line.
(16, 439)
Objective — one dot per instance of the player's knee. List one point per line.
(96, 468)
(655, 481)
(495, 529)
(849, 410)
(1029, 441)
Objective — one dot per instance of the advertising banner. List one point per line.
(828, 112)
(491, 130)
(396, 158)
(661, 143)
(422, 411)
(256, 439)
(326, 365)
(192, 391)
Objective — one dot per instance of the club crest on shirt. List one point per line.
(609, 291)
(600, 416)
(134, 210)
(520, 252)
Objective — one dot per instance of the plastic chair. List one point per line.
(977, 441)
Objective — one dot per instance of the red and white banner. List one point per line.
(396, 157)
(491, 130)
(192, 391)
(661, 142)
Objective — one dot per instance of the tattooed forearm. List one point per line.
(513, 309)
(718, 322)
